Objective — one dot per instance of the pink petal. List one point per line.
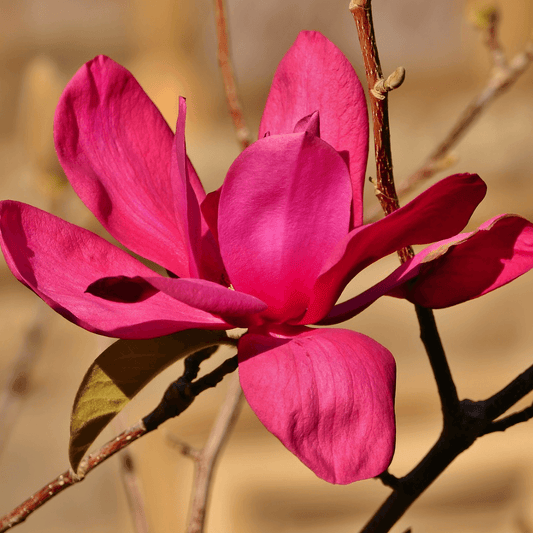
(58, 261)
(115, 148)
(439, 212)
(479, 262)
(198, 293)
(284, 205)
(327, 394)
(210, 211)
(314, 76)
(454, 270)
(204, 255)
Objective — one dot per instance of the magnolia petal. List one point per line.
(210, 210)
(115, 148)
(439, 212)
(204, 255)
(314, 75)
(453, 272)
(198, 293)
(310, 123)
(327, 394)
(284, 205)
(58, 261)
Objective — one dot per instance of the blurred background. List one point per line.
(169, 46)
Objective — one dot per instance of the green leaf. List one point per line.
(119, 373)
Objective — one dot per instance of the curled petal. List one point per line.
(198, 293)
(115, 148)
(204, 259)
(58, 261)
(454, 270)
(284, 205)
(210, 211)
(439, 212)
(479, 262)
(327, 394)
(314, 76)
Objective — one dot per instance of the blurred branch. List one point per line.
(17, 385)
(177, 398)
(19, 380)
(226, 68)
(131, 484)
(503, 75)
(206, 459)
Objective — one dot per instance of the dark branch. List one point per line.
(439, 364)
(500, 402)
(509, 421)
(389, 480)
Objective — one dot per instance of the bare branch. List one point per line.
(207, 458)
(503, 400)
(131, 484)
(178, 397)
(439, 364)
(226, 68)
(505, 423)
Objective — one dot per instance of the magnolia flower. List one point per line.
(270, 251)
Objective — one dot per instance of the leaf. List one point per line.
(119, 373)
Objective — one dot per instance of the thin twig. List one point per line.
(385, 191)
(131, 484)
(178, 397)
(504, 74)
(226, 68)
(503, 400)
(505, 423)
(206, 460)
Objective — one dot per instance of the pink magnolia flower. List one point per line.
(271, 250)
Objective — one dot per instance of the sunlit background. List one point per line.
(169, 46)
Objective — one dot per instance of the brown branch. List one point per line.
(224, 61)
(178, 397)
(386, 193)
(131, 484)
(504, 75)
(206, 460)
